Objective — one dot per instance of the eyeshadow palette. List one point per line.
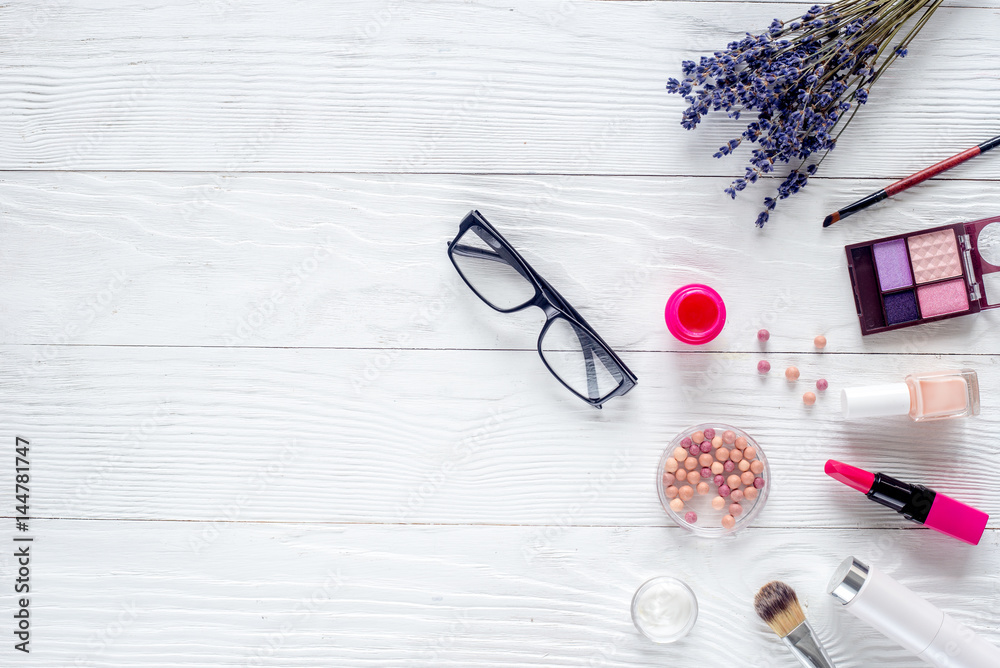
(926, 276)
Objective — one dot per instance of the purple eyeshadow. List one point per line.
(901, 307)
(893, 265)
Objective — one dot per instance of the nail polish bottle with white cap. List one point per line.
(922, 396)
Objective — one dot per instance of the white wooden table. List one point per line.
(269, 425)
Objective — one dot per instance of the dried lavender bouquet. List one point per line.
(804, 78)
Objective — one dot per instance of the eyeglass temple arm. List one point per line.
(483, 254)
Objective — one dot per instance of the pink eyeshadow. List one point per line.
(935, 256)
(942, 298)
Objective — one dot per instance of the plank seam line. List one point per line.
(458, 525)
(403, 173)
(490, 350)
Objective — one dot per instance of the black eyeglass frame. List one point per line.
(547, 298)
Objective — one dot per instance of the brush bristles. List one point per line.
(777, 604)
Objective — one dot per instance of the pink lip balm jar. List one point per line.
(695, 314)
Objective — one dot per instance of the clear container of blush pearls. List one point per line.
(664, 609)
(713, 479)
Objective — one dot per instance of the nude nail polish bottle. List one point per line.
(922, 396)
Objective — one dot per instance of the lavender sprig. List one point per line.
(804, 78)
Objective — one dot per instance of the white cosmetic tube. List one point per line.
(908, 619)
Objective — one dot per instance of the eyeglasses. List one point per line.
(569, 347)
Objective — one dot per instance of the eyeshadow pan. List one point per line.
(943, 298)
(901, 307)
(935, 256)
(893, 265)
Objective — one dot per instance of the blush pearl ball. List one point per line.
(763, 366)
(718, 503)
(792, 373)
(728, 522)
(820, 341)
(809, 398)
(763, 335)
(677, 505)
(690, 517)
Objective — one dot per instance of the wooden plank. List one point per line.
(360, 260)
(438, 86)
(304, 595)
(453, 437)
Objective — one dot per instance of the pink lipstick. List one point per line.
(914, 502)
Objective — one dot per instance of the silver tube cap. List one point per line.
(848, 580)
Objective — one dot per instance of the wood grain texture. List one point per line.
(437, 596)
(360, 261)
(456, 437)
(271, 427)
(440, 86)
